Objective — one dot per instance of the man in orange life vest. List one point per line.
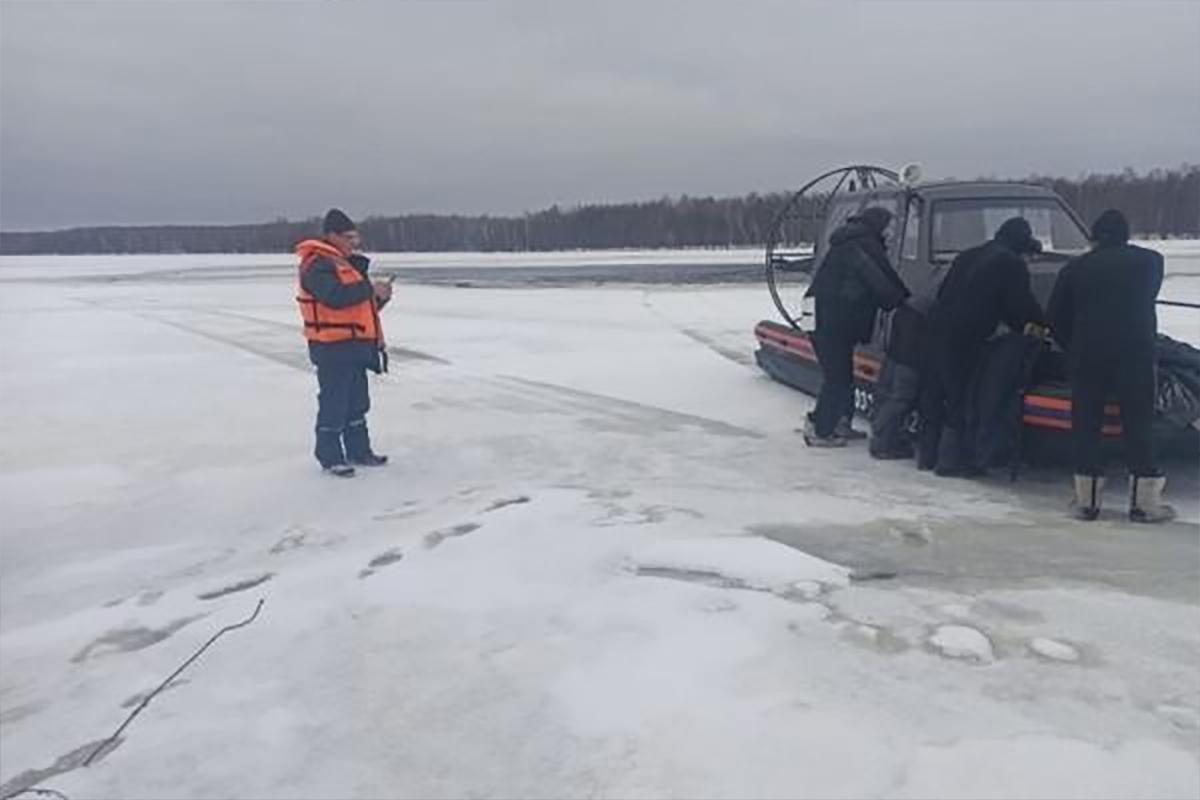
(340, 305)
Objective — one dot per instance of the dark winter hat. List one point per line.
(875, 218)
(336, 221)
(1016, 234)
(1111, 227)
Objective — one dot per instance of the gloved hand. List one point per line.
(1040, 332)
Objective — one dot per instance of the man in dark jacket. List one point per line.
(339, 305)
(854, 281)
(1102, 311)
(986, 285)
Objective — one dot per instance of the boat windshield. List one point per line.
(962, 224)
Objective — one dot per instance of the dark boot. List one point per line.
(927, 447)
(358, 446)
(950, 454)
(845, 430)
(954, 456)
(329, 447)
(813, 440)
(894, 452)
(329, 453)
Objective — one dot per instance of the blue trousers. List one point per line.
(342, 405)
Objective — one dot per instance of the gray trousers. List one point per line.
(896, 396)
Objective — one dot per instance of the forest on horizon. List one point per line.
(1159, 203)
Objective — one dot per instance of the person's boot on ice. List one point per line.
(1145, 499)
(358, 446)
(329, 453)
(1088, 490)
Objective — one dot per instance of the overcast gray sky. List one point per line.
(169, 111)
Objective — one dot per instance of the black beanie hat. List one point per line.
(1111, 227)
(875, 218)
(336, 221)
(1017, 235)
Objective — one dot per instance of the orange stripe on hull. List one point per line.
(865, 367)
(1062, 404)
(1065, 424)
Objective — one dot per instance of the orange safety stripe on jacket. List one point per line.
(324, 323)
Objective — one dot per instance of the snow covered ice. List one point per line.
(601, 563)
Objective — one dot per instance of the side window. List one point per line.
(909, 247)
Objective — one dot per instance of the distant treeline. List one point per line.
(1163, 202)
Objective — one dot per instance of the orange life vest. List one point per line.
(324, 323)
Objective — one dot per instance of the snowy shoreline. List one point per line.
(33, 266)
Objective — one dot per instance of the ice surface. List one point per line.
(755, 563)
(642, 583)
(1054, 650)
(1039, 766)
(960, 641)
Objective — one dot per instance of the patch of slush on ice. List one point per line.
(960, 641)
(1050, 766)
(806, 589)
(1054, 650)
(751, 562)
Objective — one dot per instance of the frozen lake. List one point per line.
(601, 563)
(513, 270)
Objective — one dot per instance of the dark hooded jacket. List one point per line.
(985, 286)
(855, 280)
(1102, 306)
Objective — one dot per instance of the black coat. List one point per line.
(1102, 306)
(985, 286)
(996, 398)
(321, 281)
(854, 281)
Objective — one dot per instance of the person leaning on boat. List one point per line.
(985, 286)
(853, 283)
